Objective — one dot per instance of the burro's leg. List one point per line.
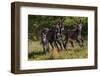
(72, 44)
(65, 42)
(52, 47)
(56, 45)
(46, 48)
(80, 41)
(59, 44)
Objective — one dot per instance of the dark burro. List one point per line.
(53, 36)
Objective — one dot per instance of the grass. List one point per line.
(35, 52)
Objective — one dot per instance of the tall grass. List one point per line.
(35, 52)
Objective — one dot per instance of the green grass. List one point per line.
(35, 52)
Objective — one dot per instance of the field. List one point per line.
(35, 52)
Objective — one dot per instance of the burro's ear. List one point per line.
(62, 20)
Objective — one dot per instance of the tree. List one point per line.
(37, 22)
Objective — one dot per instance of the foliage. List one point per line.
(37, 22)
